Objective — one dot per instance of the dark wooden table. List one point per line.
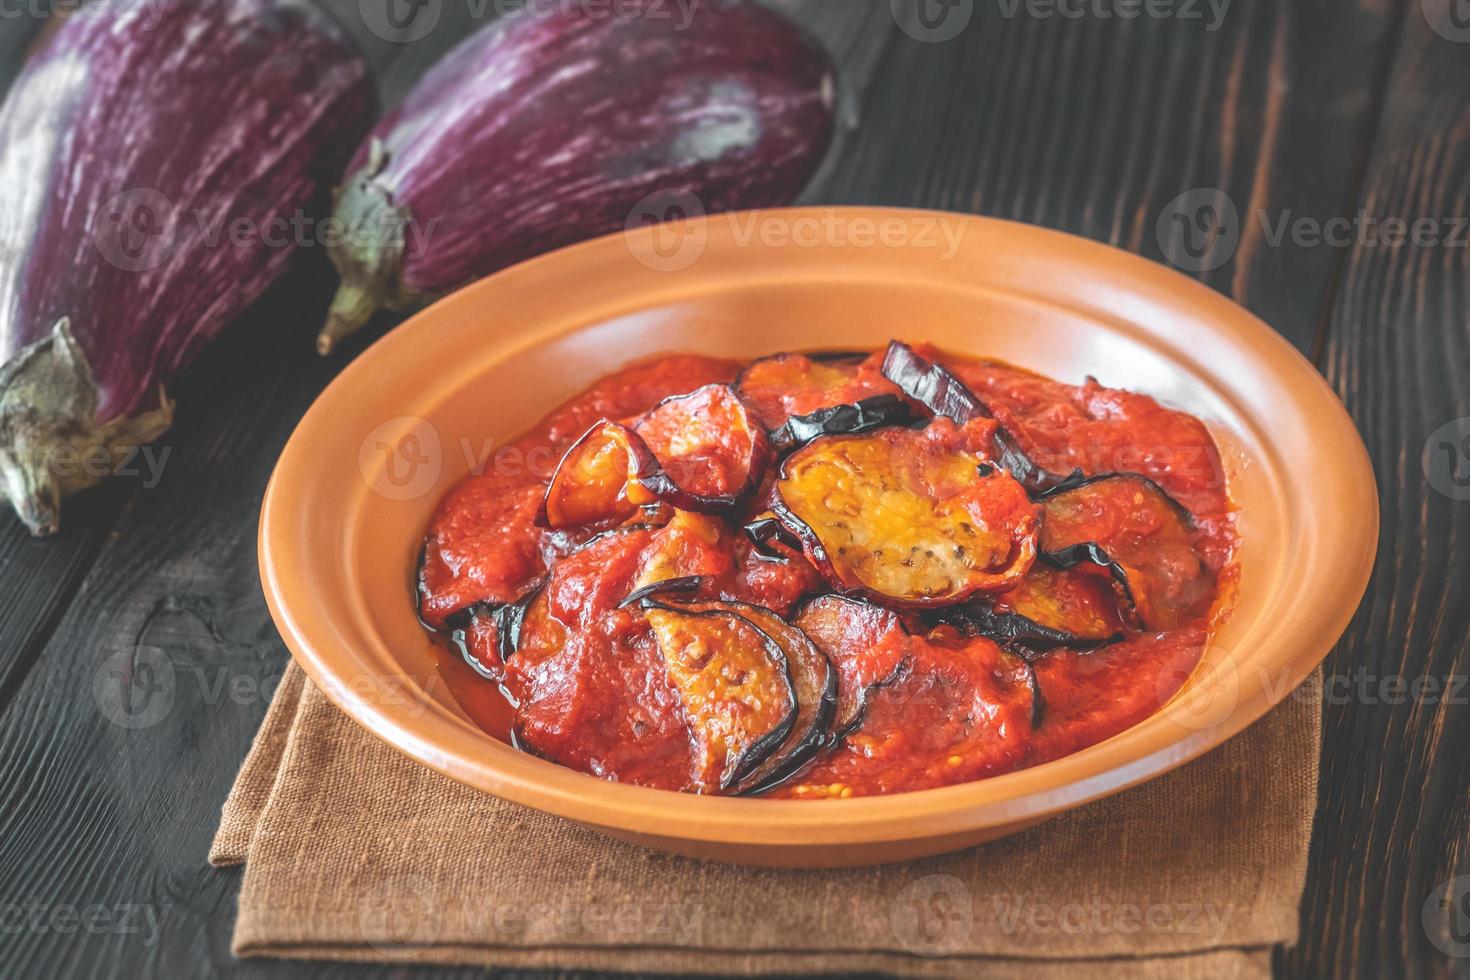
(1067, 114)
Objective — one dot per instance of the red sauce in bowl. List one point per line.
(861, 601)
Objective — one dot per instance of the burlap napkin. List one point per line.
(353, 852)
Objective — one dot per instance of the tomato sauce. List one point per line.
(1111, 585)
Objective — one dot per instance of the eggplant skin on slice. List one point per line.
(711, 451)
(906, 520)
(937, 389)
(734, 683)
(492, 633)
(1077, 598)
(814, 681)
(686, 585)
(599, 479)
(783, 385)
(1145, 537)
(1052, 607)
(867, 645)
(767, 531)
(867, 415)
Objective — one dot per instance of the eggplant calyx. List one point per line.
(369, 255)
(51, 444)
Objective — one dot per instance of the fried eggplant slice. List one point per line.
(711, 451)
(733, 681)
(937, 389)
(493, 634)
(1051, 607)
(480, 548)
(868, 415)
(599, 479)
(690, 546)
(959, 709)
(587, 679)
(814, 681)
(1148, 535)
(906, 519)
(783, 385)
(866, 644)
(787, 385)
(705, 558)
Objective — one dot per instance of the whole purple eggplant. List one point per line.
(154, 161)
(553, 124)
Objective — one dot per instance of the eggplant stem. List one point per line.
(51, 444)
(351, 308)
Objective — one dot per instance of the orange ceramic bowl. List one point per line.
(345, 512)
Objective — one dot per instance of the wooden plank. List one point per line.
(1091, 127)
(1094, 126)
(1393, 825)
(40, 577)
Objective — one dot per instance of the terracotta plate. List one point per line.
(345, 511)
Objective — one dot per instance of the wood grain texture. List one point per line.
(1392, 823)
(1092, 126)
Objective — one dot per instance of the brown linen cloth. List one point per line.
(353, 852)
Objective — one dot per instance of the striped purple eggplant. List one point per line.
(154, 163)
(555, 123)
